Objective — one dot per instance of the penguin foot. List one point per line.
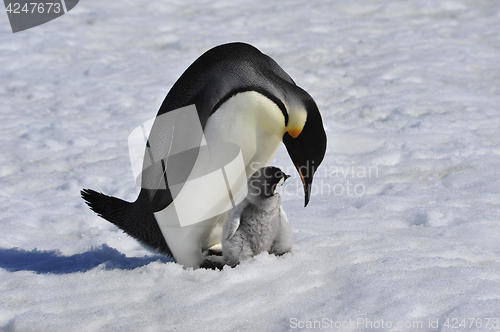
(212, 265)
(214, 252)
(217, 262)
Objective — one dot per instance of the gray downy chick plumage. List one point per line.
(259, 222)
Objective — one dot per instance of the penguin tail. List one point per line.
(132, 218)
(110, 208)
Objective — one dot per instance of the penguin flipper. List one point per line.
(233, 222)
(132, 218)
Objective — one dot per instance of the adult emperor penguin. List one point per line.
(244, 97)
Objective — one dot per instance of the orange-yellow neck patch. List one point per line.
(294, 132)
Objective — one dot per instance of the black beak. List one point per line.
(308, 149)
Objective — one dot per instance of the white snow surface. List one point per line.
(402, 229)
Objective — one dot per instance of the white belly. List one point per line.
(256, 125)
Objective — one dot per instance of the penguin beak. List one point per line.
(307, 150)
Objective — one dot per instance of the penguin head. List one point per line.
(266, 182)
(305, 139)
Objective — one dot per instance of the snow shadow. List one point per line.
(53, 262)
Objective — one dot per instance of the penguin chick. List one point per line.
(258, 223)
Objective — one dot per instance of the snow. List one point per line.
(402, 228)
